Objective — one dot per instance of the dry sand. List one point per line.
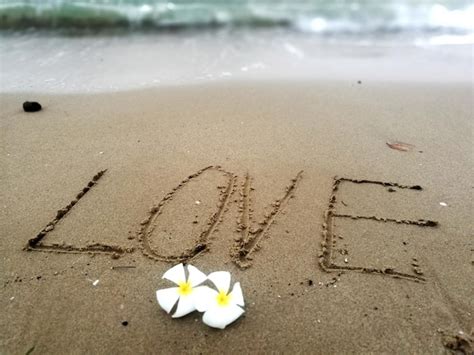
(417, 290)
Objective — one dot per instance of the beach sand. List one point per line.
(388, 286)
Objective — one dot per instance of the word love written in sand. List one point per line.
(250, 234)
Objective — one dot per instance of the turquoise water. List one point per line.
(336, 16)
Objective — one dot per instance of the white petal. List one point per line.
(196, 277)
(185, 306)
(175, 274)
(221, 279)
(167, 298)
(236, 295)
(220, 317)
(204, 297)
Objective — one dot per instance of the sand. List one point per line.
(240, 177)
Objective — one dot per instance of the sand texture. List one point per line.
(339, 241)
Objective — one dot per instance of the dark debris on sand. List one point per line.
(31, 106)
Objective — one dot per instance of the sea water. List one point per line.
(97, 45)
(323, 16)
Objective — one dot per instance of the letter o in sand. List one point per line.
(178, 227)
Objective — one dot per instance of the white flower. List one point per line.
(220, 307)
(185, 293)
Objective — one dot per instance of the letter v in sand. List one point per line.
(250, 238)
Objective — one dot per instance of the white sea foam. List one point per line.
(48, 63)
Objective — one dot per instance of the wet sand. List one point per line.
(239, 177)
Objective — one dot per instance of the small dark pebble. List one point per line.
(391, 190)
(310, 282)
(359, 82)
(31, 106)
(38, 277)
(376, 308)
(124, 323)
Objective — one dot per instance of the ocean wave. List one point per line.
(326, 17)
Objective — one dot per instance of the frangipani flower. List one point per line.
(220, 307)
(186, 291)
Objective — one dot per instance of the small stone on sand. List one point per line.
(31, 106)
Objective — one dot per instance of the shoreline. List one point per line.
(56, 64)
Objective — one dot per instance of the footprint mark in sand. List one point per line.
(37, 243)
(202, 242)
(328, 236)
(250, 238)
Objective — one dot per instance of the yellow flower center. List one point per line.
(223, 299)
(185, 288)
